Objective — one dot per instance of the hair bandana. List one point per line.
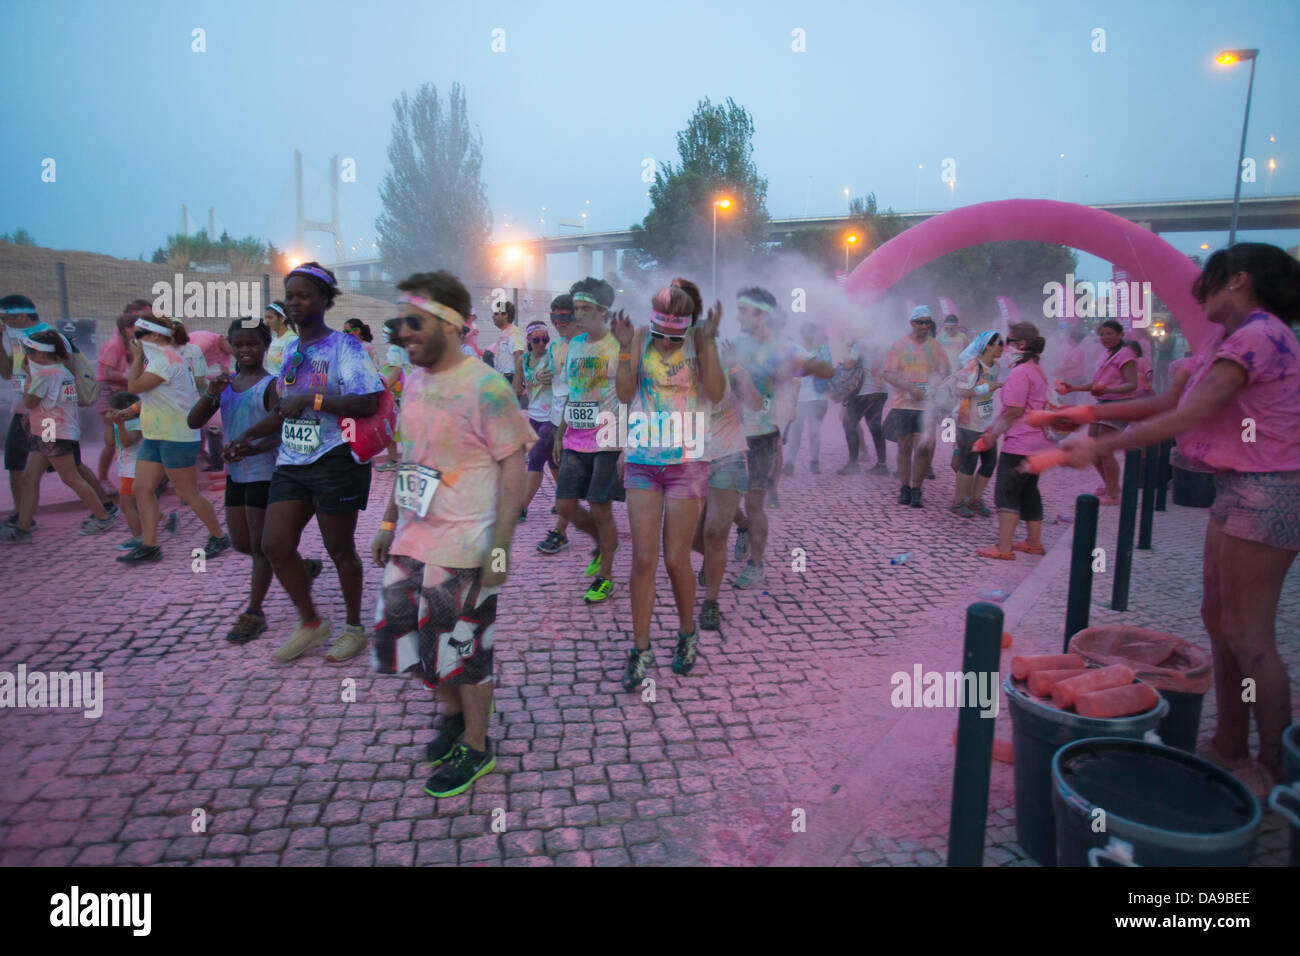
(976, 347)
(446, 313)
(584, 297)
(38, 346)
(276, 309)
(315, 273)
(754, 304)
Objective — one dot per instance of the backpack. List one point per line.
(846, 382)
(84, 373)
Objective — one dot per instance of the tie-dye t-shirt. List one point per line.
(976, 412)
(539, 393)
(456, 427)
(240, 411)
(55, 386)
(592, 372)
(676, 413)
(164, 408)
(769, 363)
(921, 363)
(334, 365)
(1267, 352)
(13, 346)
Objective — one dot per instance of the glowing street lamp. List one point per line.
(1228, 58)
(849, 240)
(723, 203)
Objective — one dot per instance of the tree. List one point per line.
(20, 237)
(246, 255)
(716, 153)
(435, 212)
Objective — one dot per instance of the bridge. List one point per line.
(1178, 215)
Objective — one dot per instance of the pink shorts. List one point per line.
(690, 479)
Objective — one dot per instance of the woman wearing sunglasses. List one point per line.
(669, 373)
(327, 378)
(536, 383)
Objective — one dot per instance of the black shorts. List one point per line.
(967, 458)
(55, 449)
(1017, 491)
(16, 444)
(334, 483)
(764, 451)
(247, 494)
(902, 422)
(589, 475)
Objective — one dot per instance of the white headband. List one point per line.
(446, 313)
(152, 327)
(38, 346)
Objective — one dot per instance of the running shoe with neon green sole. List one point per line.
(600, 590)
(593, 569)
(460, 771)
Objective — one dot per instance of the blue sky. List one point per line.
(584, 92)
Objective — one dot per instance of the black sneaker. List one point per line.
(638, 662)
(916, 498)
(450, 733)
(684, 655)
(216, 546)
(112, 509)
(880, 468)
(553, 543)
(815, 467)
(710, 616)
(850, 469)
(12, 534)
(13, 520)
(904, 495)
(461, 769)
(247, 627)
(143, 554)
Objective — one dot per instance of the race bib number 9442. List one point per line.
(300, 435)
(414, 487)
(581, 414)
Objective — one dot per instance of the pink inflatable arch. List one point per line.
(1144, 255)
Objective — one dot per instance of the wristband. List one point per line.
(625, 356)
(135, 409)
(388, 526)
(320, 400)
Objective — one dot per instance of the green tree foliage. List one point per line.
(435, 213)
(247, 255)
(716, 160)
(20, 237)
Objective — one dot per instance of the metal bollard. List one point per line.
(1079, 605)
(1166, 473)
(973, 764)
(1150, 472)
(1128, 503)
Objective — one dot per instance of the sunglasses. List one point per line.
(539, 340)
(664, 335)
(139, 334)
(291, 366)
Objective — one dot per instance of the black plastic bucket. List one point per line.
(1285, 799)
(1193, 489)
(1163, 806)
(1179, 729)
(1038, 731)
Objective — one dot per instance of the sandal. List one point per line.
(993, 552)
(1024, 546)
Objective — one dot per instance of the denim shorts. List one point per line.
(690, 479)
(169, 454)
(730, 472)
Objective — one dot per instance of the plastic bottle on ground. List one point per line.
(901, 558)
(994, 594)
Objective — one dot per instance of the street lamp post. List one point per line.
(724, 204)
(1227, 58)
(848, 241)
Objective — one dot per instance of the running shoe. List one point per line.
(710, 616)
(13, 520)
(880, 468)
(553, 543)
(684, 655)
(93, 525)
(852, 468)
(815, 467)
(301, 641)
(742, 545)
(112, 509)
(929, 473)
(638, 662)
(600, 590)
(450, 733)
(130, 544)
(216, 546)
(916, 498)
(12, 534)
(594, 567)
(751, 574)
(981, 508)
(350, 643)
(962, 509)
(787, 468)
(904, 495)
(247, 627)
(461, 770)
(171, 522)
(141, 554)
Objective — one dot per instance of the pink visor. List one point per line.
(670, 323)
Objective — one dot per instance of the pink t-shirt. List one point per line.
(113, 360)
(460, 423)
(56, 415)
(1146, 380)
(1025, 388)
(209, 344)
(1269, 354)
(1110, 373)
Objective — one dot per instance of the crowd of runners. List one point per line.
(688, 432)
